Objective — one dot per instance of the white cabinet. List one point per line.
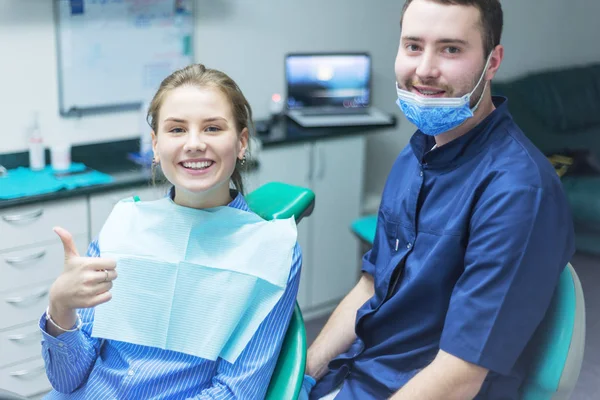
(338, 187)
(27, 225)
(26, 379)
(333, 169)
(31, 257)
(20, 343)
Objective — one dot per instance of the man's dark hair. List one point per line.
(490, 15)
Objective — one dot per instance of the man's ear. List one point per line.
(495, 61)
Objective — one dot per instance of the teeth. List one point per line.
(429, 92)
(197, 165)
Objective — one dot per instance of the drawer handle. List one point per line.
(24, 217)
(22, 337)
(25, 259)
(26, 299)
(25, 372)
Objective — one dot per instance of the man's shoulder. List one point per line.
(513, 161)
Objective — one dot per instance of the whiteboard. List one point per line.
(113, 54)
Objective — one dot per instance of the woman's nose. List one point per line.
(194, 143)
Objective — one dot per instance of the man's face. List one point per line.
(441, 50)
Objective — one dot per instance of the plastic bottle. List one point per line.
(37, 154)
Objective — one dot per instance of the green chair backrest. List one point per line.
(557, 346)
(278, 200)
(287, 378)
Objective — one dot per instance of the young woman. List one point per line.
(200, 128)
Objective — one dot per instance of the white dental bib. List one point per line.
(194, 281)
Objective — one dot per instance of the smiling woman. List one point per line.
(200, 124)
(182, 321)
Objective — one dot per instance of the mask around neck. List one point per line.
(434, 116)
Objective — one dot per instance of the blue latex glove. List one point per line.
(307, 384)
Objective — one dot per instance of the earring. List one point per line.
(243, 160)
(155, 161)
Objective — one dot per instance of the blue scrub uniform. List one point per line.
(471, 239)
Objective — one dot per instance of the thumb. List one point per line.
(67, 240)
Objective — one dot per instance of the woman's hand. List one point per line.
(85, 282)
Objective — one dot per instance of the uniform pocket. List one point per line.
(390, 230)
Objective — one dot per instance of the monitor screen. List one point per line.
(328, 80)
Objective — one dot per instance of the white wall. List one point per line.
(248, 39)
(549, 34)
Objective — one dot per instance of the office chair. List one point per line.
(558, 344)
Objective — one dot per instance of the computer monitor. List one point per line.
(332, 80)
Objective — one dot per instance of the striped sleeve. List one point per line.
(69, 357)
(249, 377)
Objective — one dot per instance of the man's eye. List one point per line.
(412, 47)
(452, 50)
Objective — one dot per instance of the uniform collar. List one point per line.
(462, 149)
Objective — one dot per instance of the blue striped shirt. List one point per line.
(82, 367)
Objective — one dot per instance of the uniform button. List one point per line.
(130, 372)
(408, 245)
(421, 173)
(61, 345)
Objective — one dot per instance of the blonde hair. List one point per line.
(200, 76)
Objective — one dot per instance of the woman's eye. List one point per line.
(213, 129)
(176, 130)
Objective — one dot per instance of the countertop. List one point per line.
(111, 157)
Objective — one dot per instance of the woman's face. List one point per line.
(197, 144)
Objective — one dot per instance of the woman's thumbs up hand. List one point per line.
(85, 282)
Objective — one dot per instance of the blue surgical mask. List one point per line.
(438, 115)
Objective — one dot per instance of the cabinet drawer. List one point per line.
(25, 379)
(29, 225)
(20, 344)
(23, 305)
(34, 264)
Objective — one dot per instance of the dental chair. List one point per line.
(556, 349)
(271, 201)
